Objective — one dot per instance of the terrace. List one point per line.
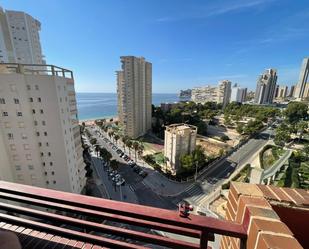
(43, 218)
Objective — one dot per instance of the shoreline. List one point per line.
(91, 120)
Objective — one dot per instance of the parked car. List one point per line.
(143, 174)
(116, 177)
(121, 181)
(131, 164)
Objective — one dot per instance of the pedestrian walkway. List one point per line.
(137, 185)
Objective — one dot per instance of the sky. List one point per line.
(189, 42)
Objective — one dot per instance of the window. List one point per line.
(16, 101)
(2, 101)
(60, 99)
(47, 144)
(53, 173)
(43, 123)
(5, 114)
(13, 87)
(7, 125)
(45, 173)
(12, 147)
(26, 146)
(35, 122)
(36, 87)
(49, 154)
(21, 124)
(17, 167)
(39, 100)
(30, 167)
(41, 111)
(10, 136)
(28, 156)
(40, 144)
(42, 154)
(24, 136)
(38, 133)
(51, 163)
(54, 182)
(30, 99)
(33, 111)
(45, 133)
(19, 114)
(15, 157)
(28, 87)
(43, 163)
(47, 182)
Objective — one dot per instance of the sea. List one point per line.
(104, 105)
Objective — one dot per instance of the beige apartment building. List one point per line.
(40, 140)
(134, 90)
(179, 139)
(19, 38)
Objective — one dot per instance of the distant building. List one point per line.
(19, 38)
(167, 106)
(303, 79)
(292, 91)
(282, 92)
(180, 139)
(238, 94)
(204, 94)
(265, 88)
(218, 94)
(306, 92)
(224, 92)
(276, 91)
(40, 141)
(134, 90)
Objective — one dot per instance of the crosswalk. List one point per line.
(193, 194)
(137, 185)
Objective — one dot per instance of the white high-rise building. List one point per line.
(179, 139)
(40, 141)
(303, 80)
(224, 92)
(19, 38)
(134, 89)
(238, 94)
(265, 88)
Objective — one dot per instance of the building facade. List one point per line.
(282, 92)
(238, 94)
(292, 91)
(179, 139)
(224, 92)
(204, 94)
(134, 90)
(265, 88)
(303, 79)
(40, 140)
(19, 38)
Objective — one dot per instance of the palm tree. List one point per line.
(105, 129)
(124, 139)
(110, 134)
(129, 145)
(141, 149)
(116, 137)
(135, 146)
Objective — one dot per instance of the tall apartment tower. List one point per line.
(19, 38)
(265, 88)
(224, 92)
(134, 89)
(303, 79)
(238, 94)
(292, 91)
(179, 139)
(40, 140)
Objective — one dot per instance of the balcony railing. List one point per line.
(103, 222)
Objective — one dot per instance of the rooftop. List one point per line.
(35, 69)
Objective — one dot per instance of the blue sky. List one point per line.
(189, 42)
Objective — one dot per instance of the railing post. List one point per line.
(204, 240)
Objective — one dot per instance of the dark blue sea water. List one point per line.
(99, 105)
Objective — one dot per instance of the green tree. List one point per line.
(240, 128)
(187, 162)
(301, 127)
(281, 137)
(129, 144)
(296, 111)
(114, 164)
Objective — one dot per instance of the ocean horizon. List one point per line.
(104, 105)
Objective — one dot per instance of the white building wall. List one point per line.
(43, 149)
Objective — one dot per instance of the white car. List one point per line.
(120, 182)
